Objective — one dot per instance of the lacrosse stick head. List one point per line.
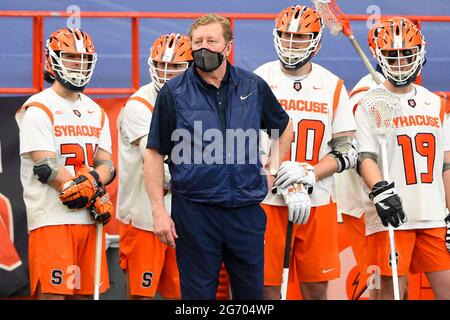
(333, 17)
(382, 107)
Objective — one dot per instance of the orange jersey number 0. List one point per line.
(309, 139)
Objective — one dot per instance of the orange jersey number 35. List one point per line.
(80, 156)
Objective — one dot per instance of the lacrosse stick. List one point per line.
(287, 256)
(336, 21)
(382, 107)
(98, 260)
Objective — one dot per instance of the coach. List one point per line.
(215, 204)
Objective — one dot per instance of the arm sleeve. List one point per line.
(163, 122)
(273, 114)
(136, 120)
(36, 132)
(105, 136)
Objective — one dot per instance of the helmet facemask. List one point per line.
(401, 66)
(73, 70)
(294, 52)
(160, 72)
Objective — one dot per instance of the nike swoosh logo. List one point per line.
(316, 88)
(58, 112)
(245, 97)
(91, 111)
(327, 270)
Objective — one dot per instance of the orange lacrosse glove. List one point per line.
(78, 192)
(101, 208)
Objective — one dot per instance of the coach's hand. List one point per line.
(101, 208)
(164, 227)
(78, 192)
(388, 204)
(298, 202)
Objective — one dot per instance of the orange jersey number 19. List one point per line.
(425, 144)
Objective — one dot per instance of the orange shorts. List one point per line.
(355, 230)
(151, 265)
(314, 245)
(62, 259)
(419, 250)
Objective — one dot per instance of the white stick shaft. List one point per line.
(364, 59)
(390, 228)
(284, 283)
(98, 260)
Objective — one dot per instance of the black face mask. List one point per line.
(207, 60)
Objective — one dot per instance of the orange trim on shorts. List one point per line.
(40, 106)
(143, 101)
(337, 94)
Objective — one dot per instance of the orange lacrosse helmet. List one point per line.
(294, 52)
(400, 51)
(60, 64)
(373, 34)
(169, 56)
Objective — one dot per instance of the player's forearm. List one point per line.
(328, 165)
(280, 147)
(104, 166)
(370, 172)
(325, 167)
(154, 177)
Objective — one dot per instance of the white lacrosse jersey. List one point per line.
(415, 151)
(350, 194)
(133, 122)
(73, 131)
(318, 106)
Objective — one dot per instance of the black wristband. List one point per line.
(96, 177)
(379, 187)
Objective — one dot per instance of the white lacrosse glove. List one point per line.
(291, 172)
(298, 202)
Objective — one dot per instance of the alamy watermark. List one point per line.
(74, 21)
(213, 146)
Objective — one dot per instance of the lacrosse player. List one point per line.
(65, 148)
(414, 199)
(149, 265)
(350, 196)
(317, 102)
